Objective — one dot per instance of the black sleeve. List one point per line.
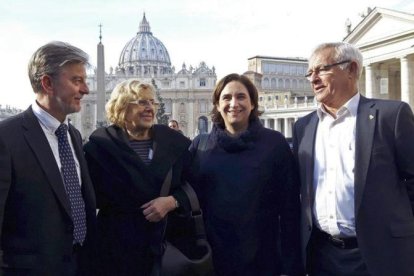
(289, 212)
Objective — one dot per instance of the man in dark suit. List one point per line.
(47, 202)
(356, 161)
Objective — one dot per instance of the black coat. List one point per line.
(123, 183)
(246, 186)
(35, 216)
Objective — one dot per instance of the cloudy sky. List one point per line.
(223, 33)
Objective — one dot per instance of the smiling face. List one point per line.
(235, 107)
(140, 114)
(335, 86)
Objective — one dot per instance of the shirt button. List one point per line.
(331, 216)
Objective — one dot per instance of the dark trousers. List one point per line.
(327, 259)
(69, 265)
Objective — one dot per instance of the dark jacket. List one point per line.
(383, 183)
(123, 183)
(247, 185)
(35, 216)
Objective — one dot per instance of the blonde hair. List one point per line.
(124, 93)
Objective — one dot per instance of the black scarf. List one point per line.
(234, 144)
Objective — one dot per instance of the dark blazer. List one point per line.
(384, 183)
(123, 183)
(36, 228)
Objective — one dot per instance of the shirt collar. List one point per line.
(351, 105)
(47, 120)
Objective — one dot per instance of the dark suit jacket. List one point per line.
(36, 228)
(384, 182)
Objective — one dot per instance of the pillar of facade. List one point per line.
(278, 126)
(369, 81)
(286, 130)
(406, 88)
(266, 123)
(174, 110)
(272, 123)
(191, 122)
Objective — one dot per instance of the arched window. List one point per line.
(202, 125)
(265, 83)
(301, 84)
(273, 83)
(280, 83)
(294, 84)
(287, 84)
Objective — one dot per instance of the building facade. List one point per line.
(386, 40)
(7, 111)
(284, 93)
(186, 94)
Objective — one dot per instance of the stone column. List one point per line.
(191, 124)
(287, 128)
(174, 110)
(406, 88)
(369, 81)
(278, 126)
(266, 123)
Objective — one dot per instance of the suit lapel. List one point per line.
(306, 153)
(37, 140)
(365, 128)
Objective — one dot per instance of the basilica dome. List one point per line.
(144, 54)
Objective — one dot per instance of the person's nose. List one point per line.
(233, 102)
(149, 107)
(313, 78)
(84, 89)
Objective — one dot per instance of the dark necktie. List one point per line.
(72, 184)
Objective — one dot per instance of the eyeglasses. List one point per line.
(145, 103)
(323, 69)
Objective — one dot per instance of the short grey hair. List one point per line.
(342, 51)
(50, 58)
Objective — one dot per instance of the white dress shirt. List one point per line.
(49, 125)
(333, 182)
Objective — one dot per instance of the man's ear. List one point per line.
(47, 84)
(353, 69)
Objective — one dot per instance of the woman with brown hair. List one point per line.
(245, 179)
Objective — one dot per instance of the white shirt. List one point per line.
(333, 181)
(49, 125)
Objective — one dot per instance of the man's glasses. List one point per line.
(145, 103)
(323, 69)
